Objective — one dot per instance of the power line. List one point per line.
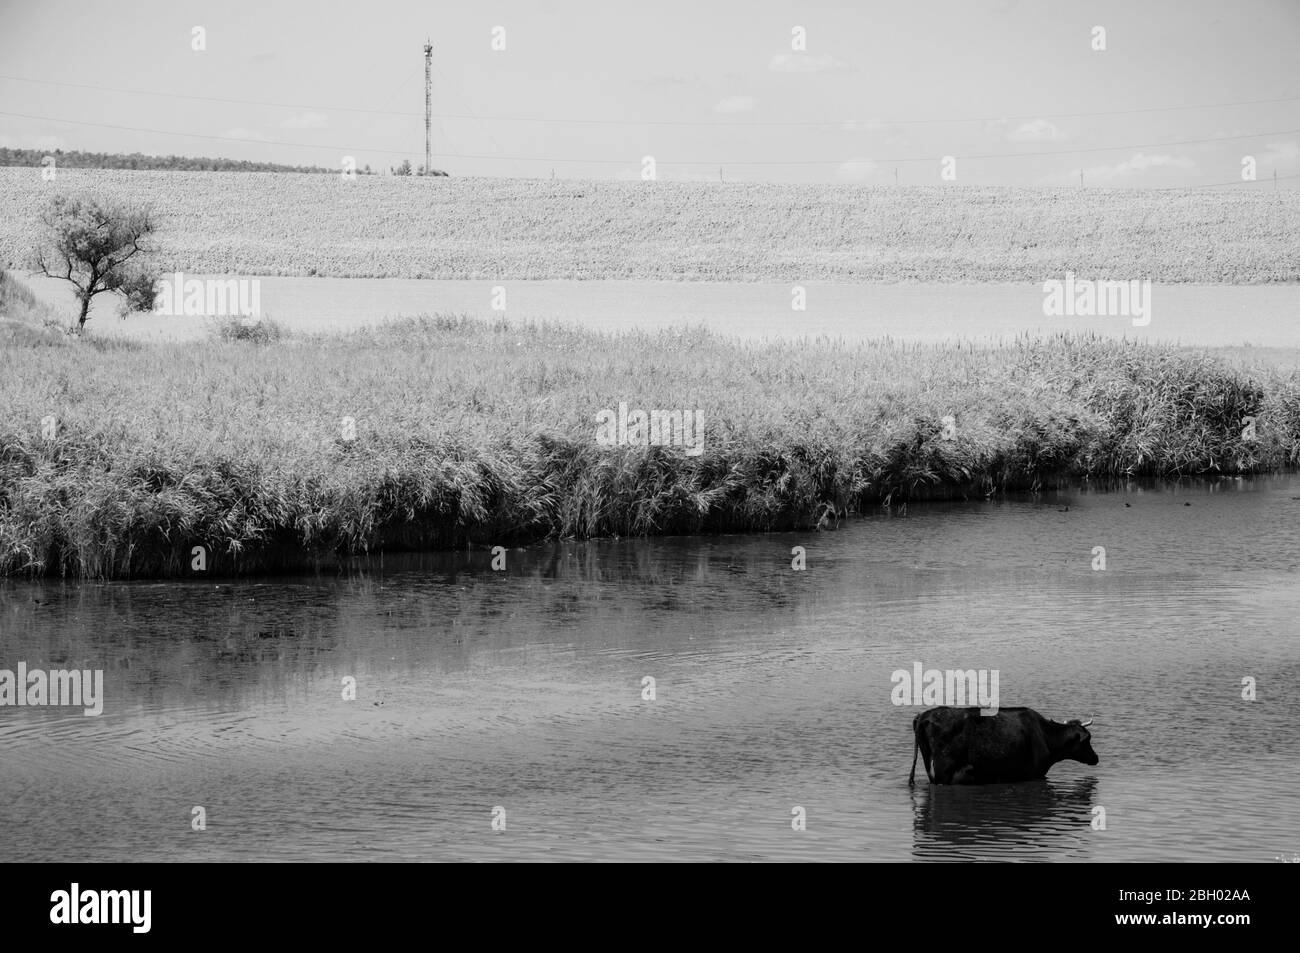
(199, 135)
(671, 162)
(1215, 185)
(461, 95)
(661, 122)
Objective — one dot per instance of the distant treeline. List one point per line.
(136, 160)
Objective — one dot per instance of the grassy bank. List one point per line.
(26, 321)
(470, 433)
(400, 227)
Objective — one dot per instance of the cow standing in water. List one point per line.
(1016, 744)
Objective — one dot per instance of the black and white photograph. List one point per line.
(719, 432)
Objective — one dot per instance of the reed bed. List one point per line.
(473, 433)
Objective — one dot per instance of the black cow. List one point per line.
(1016, 744)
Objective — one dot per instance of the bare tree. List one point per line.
(97, 245)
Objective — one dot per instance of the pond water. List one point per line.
(523, 689)
(1202, 315)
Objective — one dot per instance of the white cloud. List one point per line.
(1039, 130)
(307, 121)
(736, 104)
(1036, 130)
(1280, 153)
(805, 63)
(1144, 163)
(892, 132)
(856, 170)
(669, 80)
(241, 133)
(1136, 166)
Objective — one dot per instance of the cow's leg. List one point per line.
(944, 771)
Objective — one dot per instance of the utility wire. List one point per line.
(668, 162)
(1215, 185)
(661, 122)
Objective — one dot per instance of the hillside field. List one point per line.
(255, 223)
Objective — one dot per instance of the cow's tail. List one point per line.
(916, 747)
(921, 745)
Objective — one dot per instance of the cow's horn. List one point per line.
(1086, 723)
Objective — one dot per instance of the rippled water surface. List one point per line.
(523, 689)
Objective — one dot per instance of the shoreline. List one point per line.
(477, 556)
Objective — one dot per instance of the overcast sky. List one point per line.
(697, 85)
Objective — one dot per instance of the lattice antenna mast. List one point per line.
(428, 108)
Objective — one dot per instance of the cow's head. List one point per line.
(1078, 742)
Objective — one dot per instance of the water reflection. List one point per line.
(1034, 820)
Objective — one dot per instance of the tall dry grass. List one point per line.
(470, 432)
